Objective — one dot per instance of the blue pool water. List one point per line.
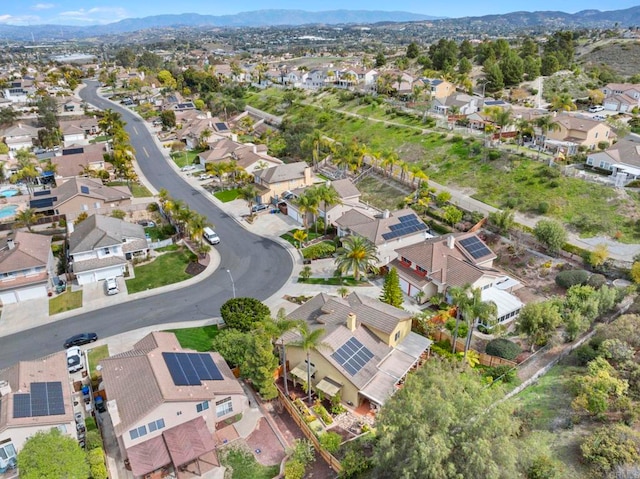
(7, 211)
(8, 193)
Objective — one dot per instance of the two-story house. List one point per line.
(436, 87)
(26, 267)
(388, 231)
(35, 396)
(368, 348)
(80, 160)
(249, 157)
(78, 131)
(273, 182)
(20, 136)
(458, 103)
(100, 246)
(574, 131)
(622, 97)
(81, 195)
(165, 402)
(437, 264)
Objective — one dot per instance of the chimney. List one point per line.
(255, 149)
(451, 241)
(351, 322)
(5, 388)
(10, 243)
(234, 137)
(70, 227)
(385, 214)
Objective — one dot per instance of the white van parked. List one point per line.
(210, 235)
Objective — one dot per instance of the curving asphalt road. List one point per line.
(259, 266)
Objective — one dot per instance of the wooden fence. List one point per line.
(306, 430)
(485, 359)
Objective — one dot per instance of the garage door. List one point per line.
(8, 297)
(32, 293)
(405, 286)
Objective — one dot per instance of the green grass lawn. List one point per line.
(65, 302)
(184, 158)
(245, 465)
(198, 339)
(90, 424)
(227, 195)
(168, 268)
(348, 281)
(96, 355)
(288, 236)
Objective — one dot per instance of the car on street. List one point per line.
(596, 108)
(188, 168)
(74, 359)
(147, 223)
(210, 235)
(259, 208)
(80, 339)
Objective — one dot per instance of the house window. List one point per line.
(97, 205)
(421, 270)
(397, 336)
(596, 134)
(106, 251)
(202, 406)
(7, 451)
(138, 432)
(224, 407)
(85, 207)
(404, 260)
(155, 425)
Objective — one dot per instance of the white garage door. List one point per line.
(405, 286)
(8, 297)
(294, 214)
(108, 273)
(32, 293)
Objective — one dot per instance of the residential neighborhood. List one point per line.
(226, 261)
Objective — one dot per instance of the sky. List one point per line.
(92, 12)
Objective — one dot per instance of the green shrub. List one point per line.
(93, 440)
(506, 373)
(331, 441)
(597, 280)
(294, 469)
(569, 278)
(503, 348)
(95, 457)
(319, 250)
(543, 467)
(463, 329)
(543, 207)
(585, 353)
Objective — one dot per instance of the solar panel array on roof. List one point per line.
(408, 224)
(41, 193)
(221, 127)
(73, 151)
(45, 399)
(475, 247)
(84, 189)
(352, 356)
(42, 202)
(190, 369)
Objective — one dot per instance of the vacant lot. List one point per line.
(622, 56)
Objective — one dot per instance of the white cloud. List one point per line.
(42, 6)
(97, 15)
(20, 20)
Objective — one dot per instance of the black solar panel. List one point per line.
(475, 247)
(42, 202)
(221, 127)
(190, 369)
(73, 151)
(406, 218)
(21, 405)
(352, 356)
(41, 193)
(45, 399)
(84, 189)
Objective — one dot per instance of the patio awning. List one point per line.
(188, 441)
(148, 456)
(380, 388)
(300, 371)
(329, 387)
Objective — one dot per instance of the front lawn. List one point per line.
(65, 302)
(168, 268)
(288, 236)
(198, 339)
(244, 465)
(96, 355)
(184, 158)
(227, 195)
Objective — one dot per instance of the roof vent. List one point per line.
(5, 388)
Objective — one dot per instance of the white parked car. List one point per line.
(596, 109)
(188, 168)
(111, 286)
(74, 359)
(205, 176)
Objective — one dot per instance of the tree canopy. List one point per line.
(243, 313)
(445, 424)
(35, 460)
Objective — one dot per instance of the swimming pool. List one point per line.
(7, 211)
(9, 193)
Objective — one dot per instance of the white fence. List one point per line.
(160, 244)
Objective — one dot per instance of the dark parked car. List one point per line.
(80, 339)
(260, 207)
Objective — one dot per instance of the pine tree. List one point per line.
(260, 365)
(391, 292)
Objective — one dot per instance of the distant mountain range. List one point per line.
(585, 18)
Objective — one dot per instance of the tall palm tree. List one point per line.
(501, 117)
(309, 339)
(356, 254)
(328, 196)
(276, 328)
(546, 124)
(474, 310)
(308, 204)
(389, 160)
(458, 297)
(27, 217)
(248, 193)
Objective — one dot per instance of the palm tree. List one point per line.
(546, 124)
(562, 102)
(300, 236)
(27, 217)
(276, 328)
(196, 226)
(474, 310)
(501, 117)
(389, 160)
(458, 296)
(248, 193)
(307, 204)
(328, 196)
(356, 254)
(309, 339)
